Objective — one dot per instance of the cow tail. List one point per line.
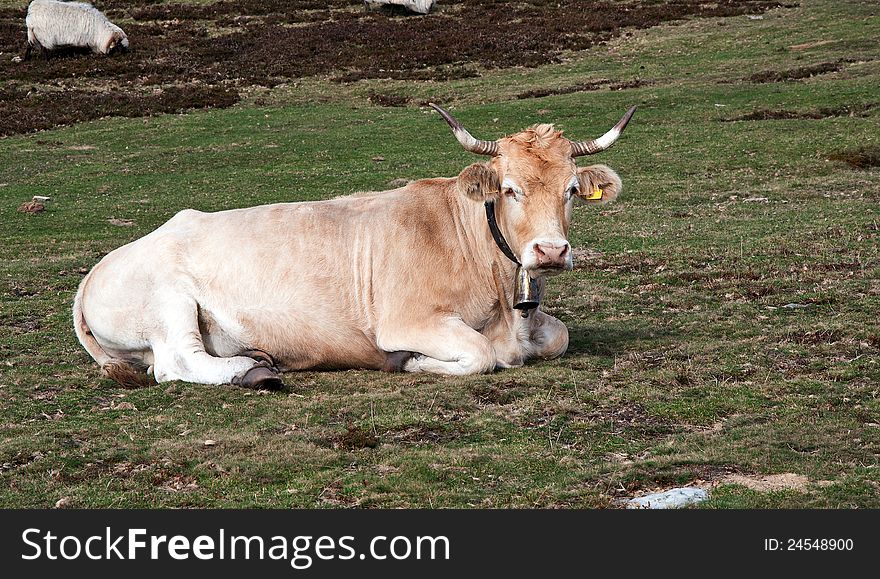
(124, 372)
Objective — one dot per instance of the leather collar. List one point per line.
(496, 233)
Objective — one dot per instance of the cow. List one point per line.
(417, 279)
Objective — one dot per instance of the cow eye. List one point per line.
(572, 191)
(510, 192)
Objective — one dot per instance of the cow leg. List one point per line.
(260, 356)
(181, 354)
(448, 347)
(187, 360)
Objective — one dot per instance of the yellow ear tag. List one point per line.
(597, 194)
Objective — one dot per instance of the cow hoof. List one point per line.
(259, 378)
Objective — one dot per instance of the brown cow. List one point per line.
(412, 279)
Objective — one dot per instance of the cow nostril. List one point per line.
(564, 251)
(538, 251)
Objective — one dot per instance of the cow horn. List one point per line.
(579, 148)
(465, 138)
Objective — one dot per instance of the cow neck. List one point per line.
(527, 291)
(497, 235)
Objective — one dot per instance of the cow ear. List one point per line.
(479, 182)
(598, 184)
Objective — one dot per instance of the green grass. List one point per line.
(683, 366)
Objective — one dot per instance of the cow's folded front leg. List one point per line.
(448, 346)
(548, 337)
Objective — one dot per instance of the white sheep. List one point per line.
(52, 24)
(417, 6)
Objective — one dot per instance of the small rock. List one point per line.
(210, 442)
(62, 502)
(671, 499)
(16, 59)
(795, 306)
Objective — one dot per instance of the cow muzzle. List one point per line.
(547, 256)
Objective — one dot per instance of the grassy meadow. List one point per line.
(723, 313)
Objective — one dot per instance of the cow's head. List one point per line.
(533, 180)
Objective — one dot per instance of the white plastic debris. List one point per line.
(671, 499)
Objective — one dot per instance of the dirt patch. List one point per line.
(768, 483)
(179, 483)
(862, 158)
(800, 72)
(861, 110)
(355, 438)
(497, 394)
(203, 55)
(21, 459)
(603, 84)
(25, 111)
(633, 418)
(24, 324)
(644, 481)
(19, 291)
(227, 10)
(707, 477)
(813, 337)
(388, 100)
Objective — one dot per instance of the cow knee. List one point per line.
(479, 360)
